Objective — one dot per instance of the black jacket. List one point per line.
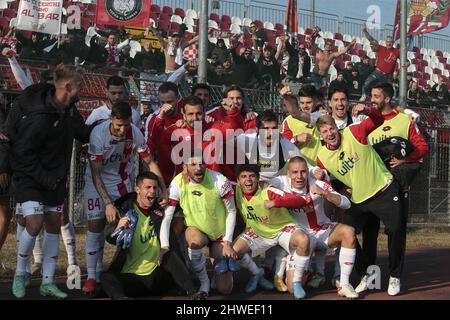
(124, 204)
(41, 144)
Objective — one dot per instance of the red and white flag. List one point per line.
(424, 16)
(130, 13)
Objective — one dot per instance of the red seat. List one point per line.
(259, 24)
(437, 71)
(347, 57)
(15, 5)
(153, 16)
(338, 36)
(358, 46)
(156, 9)
(215, 17)
(226, 19)
(9, 13)
(4, 25)
(309, 31)
(224, 26)
(164, 16)
(180, 12)
(163, 24)
(442, 60)
(167, 10)
(439, 53)
(426, 76)
(362, 53)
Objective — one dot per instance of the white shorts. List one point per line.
(259, 245)
(93, 205)
(320, 237)
(29, 208)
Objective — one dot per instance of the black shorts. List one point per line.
(385, 205)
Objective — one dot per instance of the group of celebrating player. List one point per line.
(257, 191)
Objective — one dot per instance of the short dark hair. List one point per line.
(233, 88)
(146, 175)
(388, 90)
(267, 115)
(168, 86)
(297, 159)
(115, 81)
(337, 88)
(308, 91)
(200, 86)
(246, 167)
(192, 101)
(121, 110)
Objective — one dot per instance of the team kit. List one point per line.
(215, 182)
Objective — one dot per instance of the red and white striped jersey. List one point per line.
(312, 216)
(116, 155)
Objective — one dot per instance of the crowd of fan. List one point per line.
(259, 67)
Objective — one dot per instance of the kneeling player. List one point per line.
(323, 233)
(269, 223)
(137, 269)
(209, 210)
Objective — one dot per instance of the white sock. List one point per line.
(198, 263)
(320, 257)
(50, 250)
(300, 263)
(280, 263)
(337, 267)
(248, 263)
(99, 266)
(25, 248)
(68, 236)
(346, 262)
(19, 231)
(37, 250)
(92, 241)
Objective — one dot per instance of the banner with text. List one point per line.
(40, 16)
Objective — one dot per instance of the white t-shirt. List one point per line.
(255, 150)
(116, 155)
(103, 113)
(311, 217)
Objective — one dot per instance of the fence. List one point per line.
(429, 193)
(266, 11)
